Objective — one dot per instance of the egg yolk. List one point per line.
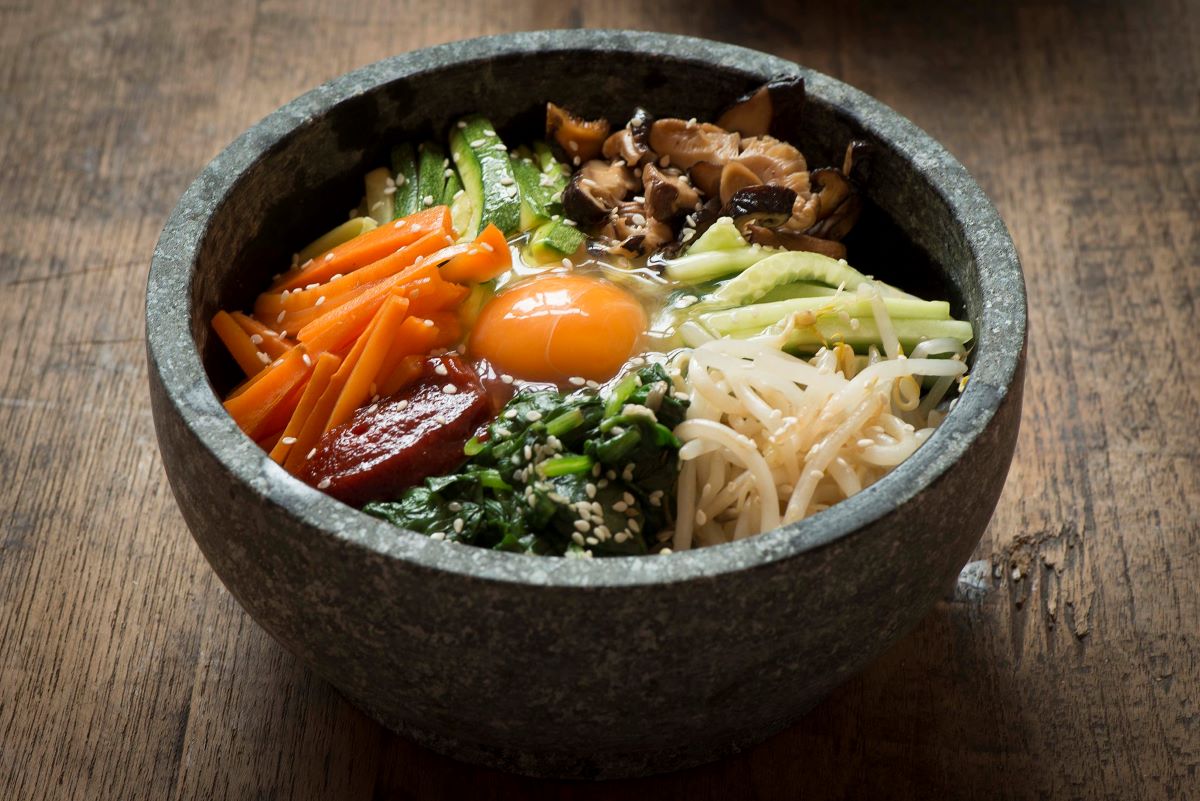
(554, 327)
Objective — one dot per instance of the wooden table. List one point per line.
(1067, 668)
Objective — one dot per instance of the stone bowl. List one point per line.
(547, 666)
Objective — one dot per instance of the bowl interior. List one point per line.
(927, 227)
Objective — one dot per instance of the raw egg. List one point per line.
(554, 327)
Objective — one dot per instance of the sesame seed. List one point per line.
(448, 173)
(428, 200)
(477, 143)
(528, 452)
(454, 506)
(576, 161)
(445, 163)
(665, 551)
(590, 489)
(577, 537)
(310, 286)
(506, 378)
(279, 317)
(701, 517)
(389, 190)
(533, 416)
(574, 146)
(583, 525)
(307, 361)
(441, 369)
(335, 276)
(458, 525)
(577, 381)
(320, 300)
(402, 405)
(592, 541)
(487, 247)
(374, 407)
(568, 263)
(400, 223)
(622, 536)
(628, 498)
(311, 454)
(400, 181)
(438, 535)
(427, 323)
(506, 181)
(328, 257)
(620, 506)
(324, 483)
(461, 124)
(288, 441)
(593, 384)
(256, 339)
(635, 526)
(511, 414)
(450, 389)
(262, 357)
(440, 419)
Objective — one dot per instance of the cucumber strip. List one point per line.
(534, 198)
(700, 267)
(431, 175)
(831, 329)
(340, 235)
(404, 173)
(721, 235)
(461, 212)
(379, 204)
(800, 289)
(761, 315)
(554, 240)
(487, 176)
(453, 187)
(785, 268)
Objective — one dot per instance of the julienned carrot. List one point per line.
(415, 337)
(238, 344)
(486, 258)
(265, 339)
(276, 419)
(427, 292)
(360, 384)
(270, 441)
(366, 248)
(447, 326)
(403, 374)
(252, 408)
(315, 425)
(343, 233)
(339, 328)
(327, 364)
(269, 305)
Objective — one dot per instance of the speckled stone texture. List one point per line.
(547, 666)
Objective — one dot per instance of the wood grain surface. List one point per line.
(1067, 663)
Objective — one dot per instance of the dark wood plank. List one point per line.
(1065, 668)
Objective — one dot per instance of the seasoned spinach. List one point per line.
(579, 473)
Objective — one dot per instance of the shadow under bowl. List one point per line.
(555, 667)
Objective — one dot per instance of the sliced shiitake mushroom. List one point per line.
(633, 232)
(684, 142)
(838, 204)
(576, 136)
(792, 240)
(595, 189)
(631, 144)
(773, 108)
(667, 193)
(764, 205)
(706, 177)
(735, 176)
(750, 115)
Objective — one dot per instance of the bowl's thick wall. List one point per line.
(541, 666)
